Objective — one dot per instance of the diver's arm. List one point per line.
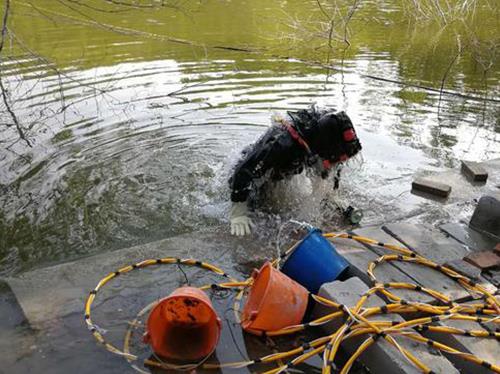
(267, 154)
(255, 164)
(241, 184)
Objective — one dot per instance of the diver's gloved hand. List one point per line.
(240, 222)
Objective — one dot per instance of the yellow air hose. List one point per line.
(356, 322)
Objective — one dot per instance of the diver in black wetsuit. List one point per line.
(312, 138)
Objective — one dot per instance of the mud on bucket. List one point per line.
(275, 301)
(183, 326)
(314, 262)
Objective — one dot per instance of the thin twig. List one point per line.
(350, 14)
(445, 75)
(5, 99)
(4, 24)
(322, 9)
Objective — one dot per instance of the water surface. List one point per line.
(135, 116)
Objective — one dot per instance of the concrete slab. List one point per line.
(432, 244)
(360, 257)
(424, 276)
(54, 292)
(51, 301)
(464, 268)
(427, 241)
(473, 240)
(421, 275)
(486, 349)
(52, 298)
(381, 357)
(465, 343)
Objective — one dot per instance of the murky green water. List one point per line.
(134, 116)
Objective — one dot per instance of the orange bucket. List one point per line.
(275, 301)
(183, 326)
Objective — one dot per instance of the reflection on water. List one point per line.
(134, 137)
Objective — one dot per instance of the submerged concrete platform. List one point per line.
(45, 331)
(49, 302)
(56, 291)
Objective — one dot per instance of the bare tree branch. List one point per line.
(5, 99)
(348, 17)
(320, 6)
(4, 24)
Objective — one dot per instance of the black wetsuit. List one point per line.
(277, 155)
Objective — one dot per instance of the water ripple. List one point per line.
(142, 150)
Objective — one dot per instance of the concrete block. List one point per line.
(381, 357)
(483, 259)
(464, 268)
(486, 217)
(431, 187)
(461, 190)
(474, 171)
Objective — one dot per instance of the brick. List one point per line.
(381, 357)
(474, 171)
(483, 259)
(431, 187)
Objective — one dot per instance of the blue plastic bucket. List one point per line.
(314, 262)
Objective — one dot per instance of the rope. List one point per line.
(355, 319)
